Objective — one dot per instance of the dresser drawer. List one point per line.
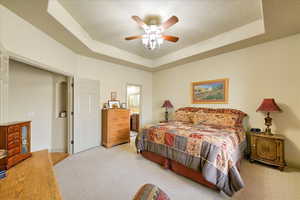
(13, 143)
(118, 115)
(115, 119)
(12, 161)
(119, 139)
(13, 136)
(120, 133)
(12, 129)
(13, 151)
(119, 126)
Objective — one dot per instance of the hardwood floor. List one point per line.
(56, 157)
(31, 179)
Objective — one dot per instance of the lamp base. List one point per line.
(166, 116)
(268, 131)
(268, 123)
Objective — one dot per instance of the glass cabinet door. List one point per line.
(24, 138)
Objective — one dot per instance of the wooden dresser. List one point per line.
(15, 138)
(115, 127)
(268, 149)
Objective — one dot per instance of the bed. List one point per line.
(203, 144)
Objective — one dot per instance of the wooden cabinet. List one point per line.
(115, 127)
(135, 122)
(15, 138)
(268, 149)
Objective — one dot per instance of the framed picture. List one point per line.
(210, 92)
(105, 105)
(113, 96)
(123, 105)
(114, 104)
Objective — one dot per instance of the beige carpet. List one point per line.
(117, 173)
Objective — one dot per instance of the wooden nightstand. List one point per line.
(163, 121)
(268, 149)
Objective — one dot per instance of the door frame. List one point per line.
(70, 115)
(141, 99)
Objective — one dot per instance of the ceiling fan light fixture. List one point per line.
(152, 37)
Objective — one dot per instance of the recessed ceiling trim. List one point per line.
(57, 11)
(241, 33)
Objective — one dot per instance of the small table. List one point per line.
(268, 149)
(163, 121)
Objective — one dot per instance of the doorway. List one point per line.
(134, 93)
(40, 96)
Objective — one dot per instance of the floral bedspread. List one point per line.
(210, 149)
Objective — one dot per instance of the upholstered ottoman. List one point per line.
(150, 192)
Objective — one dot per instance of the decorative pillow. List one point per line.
(183, 116)
(219, 117)
(150, 192)
(211, 116)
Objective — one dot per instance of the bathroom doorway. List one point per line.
(134, 94)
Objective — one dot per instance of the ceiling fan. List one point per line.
(153, 36)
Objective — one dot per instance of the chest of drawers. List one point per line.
(115, 127)
(15, 139)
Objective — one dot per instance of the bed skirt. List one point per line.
(178, 168)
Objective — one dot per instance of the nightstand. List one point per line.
(163, 121)
(268, 149)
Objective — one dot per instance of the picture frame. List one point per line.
(113, 96)
(210, 92)
(124, 105)
(114, 104)
(105, 105)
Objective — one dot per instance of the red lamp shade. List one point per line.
(167, 104)
(268, 105)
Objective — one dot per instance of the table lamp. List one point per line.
(267, 106)
(167, 104)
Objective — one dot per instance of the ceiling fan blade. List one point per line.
(140, 22)
(133, 37)
(170, 38)
(170, 22)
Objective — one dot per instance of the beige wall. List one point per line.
(52, 56)
(32, 46)
(268, 70)
(22, 39)
(114, 78)
(32, 97)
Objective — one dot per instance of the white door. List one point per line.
(86, 114)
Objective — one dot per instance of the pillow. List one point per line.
(183, 116)
(218, 119)
(150, 191)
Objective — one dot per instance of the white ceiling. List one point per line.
(109, 21)
(278, 19)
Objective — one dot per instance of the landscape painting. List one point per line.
(214, 91)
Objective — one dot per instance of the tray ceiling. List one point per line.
(96, 28)
(110, 21)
